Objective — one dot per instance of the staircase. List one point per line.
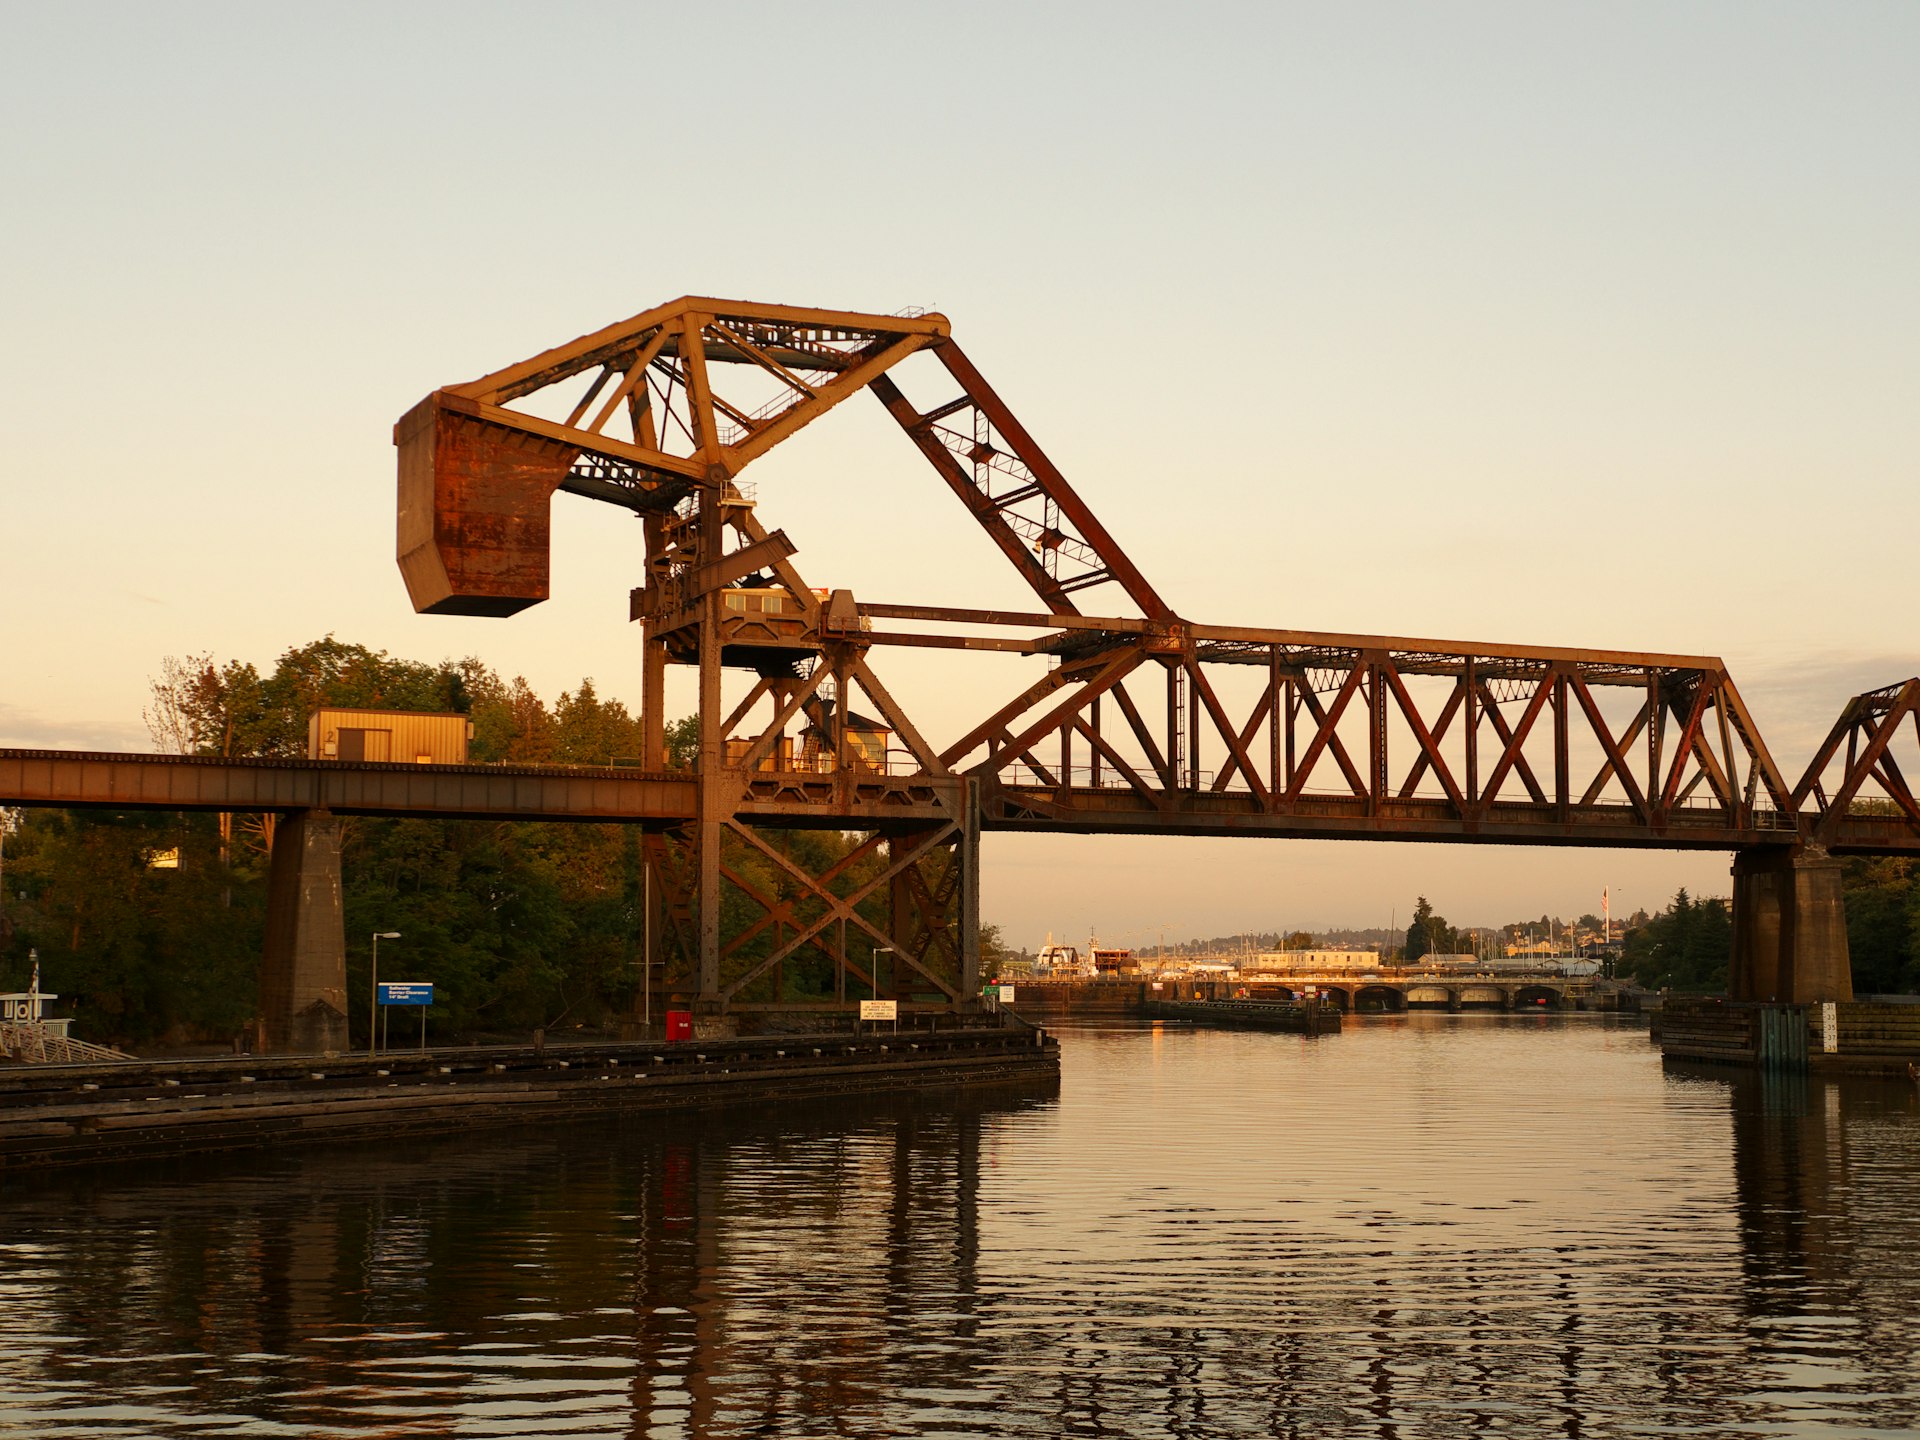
(29, 1043)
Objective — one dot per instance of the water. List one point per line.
(1425, 1226)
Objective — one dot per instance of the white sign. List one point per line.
(1006, 994)
(1830, 1027)
(879, 1009)
(24, 1006)
(1158, 986)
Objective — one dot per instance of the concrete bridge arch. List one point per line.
(1383, 997)
(1539, 997)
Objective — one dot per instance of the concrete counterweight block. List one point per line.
(303, 973)
(1789, 928)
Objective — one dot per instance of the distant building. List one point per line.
(1315, 960)
(405, 737)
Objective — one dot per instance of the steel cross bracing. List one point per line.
(1862, 799)
(1139, 722)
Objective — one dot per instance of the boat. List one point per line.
(1062, 962)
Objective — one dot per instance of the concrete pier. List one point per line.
(1789, 928)
(303, 967)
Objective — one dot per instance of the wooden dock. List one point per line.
(1867, 1037)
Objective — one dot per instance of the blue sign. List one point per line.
(406, 992)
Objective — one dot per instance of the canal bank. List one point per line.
(56, 1116)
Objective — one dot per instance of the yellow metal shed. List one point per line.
(406, 737)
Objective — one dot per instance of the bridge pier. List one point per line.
(303, 969)
(1789, 927)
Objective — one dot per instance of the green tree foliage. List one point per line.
(1684, 947)
(995, 953)
(144, 951)
(1883, 925)
(683, 742)
(1429, 934)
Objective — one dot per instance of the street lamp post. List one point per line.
(373, 990)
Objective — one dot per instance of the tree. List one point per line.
(1685, 947)
(994, 951)
(1429, 933)
(169, 714)
(683, 743)
(590, 731)
(1883, 924)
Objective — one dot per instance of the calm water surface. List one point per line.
(1426, 1226)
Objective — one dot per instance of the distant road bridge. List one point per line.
(1388, 988)
(1139, 722)
(1393, 987)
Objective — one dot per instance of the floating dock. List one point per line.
(65, 1115)
(1250, 1015)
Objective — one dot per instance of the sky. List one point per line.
(1575, 324)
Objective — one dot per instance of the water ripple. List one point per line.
(1426, 1226)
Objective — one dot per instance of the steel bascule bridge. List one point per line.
(1139, 721)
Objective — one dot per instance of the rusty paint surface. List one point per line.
(474, 503)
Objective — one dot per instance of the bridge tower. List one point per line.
(832, 854)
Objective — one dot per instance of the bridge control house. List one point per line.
(398, 736)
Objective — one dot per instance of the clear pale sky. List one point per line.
(1565, 324)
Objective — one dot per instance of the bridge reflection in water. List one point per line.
(1195, 1237)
